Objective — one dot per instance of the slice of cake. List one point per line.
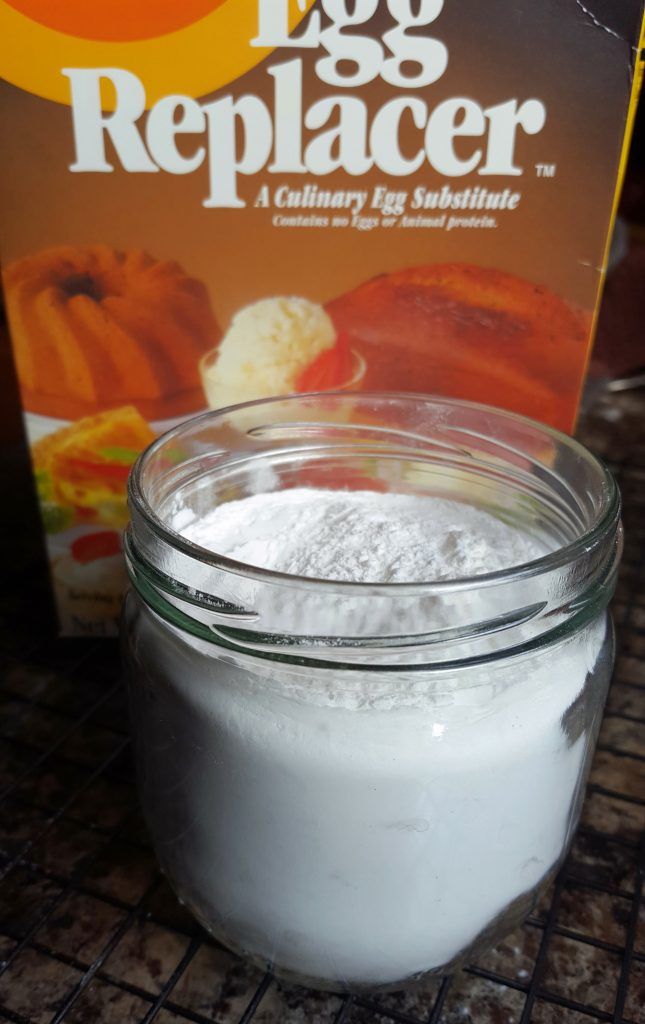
(82, 469)
(467, 331)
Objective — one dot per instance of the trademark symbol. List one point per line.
(545, 170)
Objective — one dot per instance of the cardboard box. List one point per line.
(408, 194)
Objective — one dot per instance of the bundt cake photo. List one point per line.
(94, 328)
(468, 332)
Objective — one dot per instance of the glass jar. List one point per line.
(358, 784)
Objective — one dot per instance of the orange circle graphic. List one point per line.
(181, 56)
(115, 19)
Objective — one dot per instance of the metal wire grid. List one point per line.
(91, 934)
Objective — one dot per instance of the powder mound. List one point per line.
(360, 536)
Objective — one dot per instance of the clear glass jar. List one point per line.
(358, 784)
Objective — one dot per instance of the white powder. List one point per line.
(361, 536)
(355, 826)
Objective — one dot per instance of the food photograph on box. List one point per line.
(322, 649)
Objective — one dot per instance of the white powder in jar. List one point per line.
(360, 536)
(360, 827)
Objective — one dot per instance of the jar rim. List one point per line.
(606, 518)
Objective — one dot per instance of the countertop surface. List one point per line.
(90, 933)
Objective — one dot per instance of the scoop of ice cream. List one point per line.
(266, 348)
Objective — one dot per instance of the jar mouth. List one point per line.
(526, 474)
(605, 519)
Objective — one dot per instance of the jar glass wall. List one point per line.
(358, 784)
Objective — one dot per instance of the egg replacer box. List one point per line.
(221, 200)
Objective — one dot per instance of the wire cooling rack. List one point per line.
(90, 933)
